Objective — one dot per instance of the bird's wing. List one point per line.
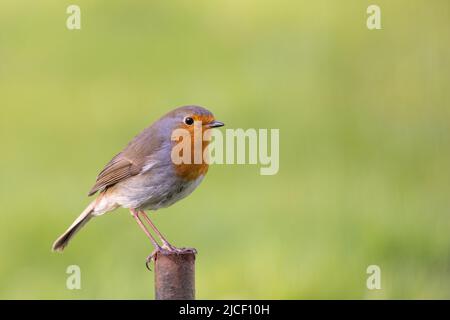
(134, 159)
(119, 168)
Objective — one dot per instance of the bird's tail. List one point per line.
(82, 219)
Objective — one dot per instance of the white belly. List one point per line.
(149, 193)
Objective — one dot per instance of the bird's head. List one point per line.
(194, 122)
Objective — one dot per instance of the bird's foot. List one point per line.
(152, 256)
(176, 250)
(166, 250)
(186, 250)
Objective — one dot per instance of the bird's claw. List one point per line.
(185, 250)
(171, 249)
(166, 250)
(152, 257)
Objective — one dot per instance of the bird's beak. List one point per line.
(216, 124)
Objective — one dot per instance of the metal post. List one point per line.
(175, 276)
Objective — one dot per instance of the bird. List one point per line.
(143, 176)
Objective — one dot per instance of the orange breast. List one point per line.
(191, 171)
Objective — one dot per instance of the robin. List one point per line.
(144, 177)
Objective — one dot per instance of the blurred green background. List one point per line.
(364, 119)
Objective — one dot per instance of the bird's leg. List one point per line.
(166, 244)
(155, 244)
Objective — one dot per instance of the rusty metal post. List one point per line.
(175, 276)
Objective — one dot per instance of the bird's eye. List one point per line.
(188, 121)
